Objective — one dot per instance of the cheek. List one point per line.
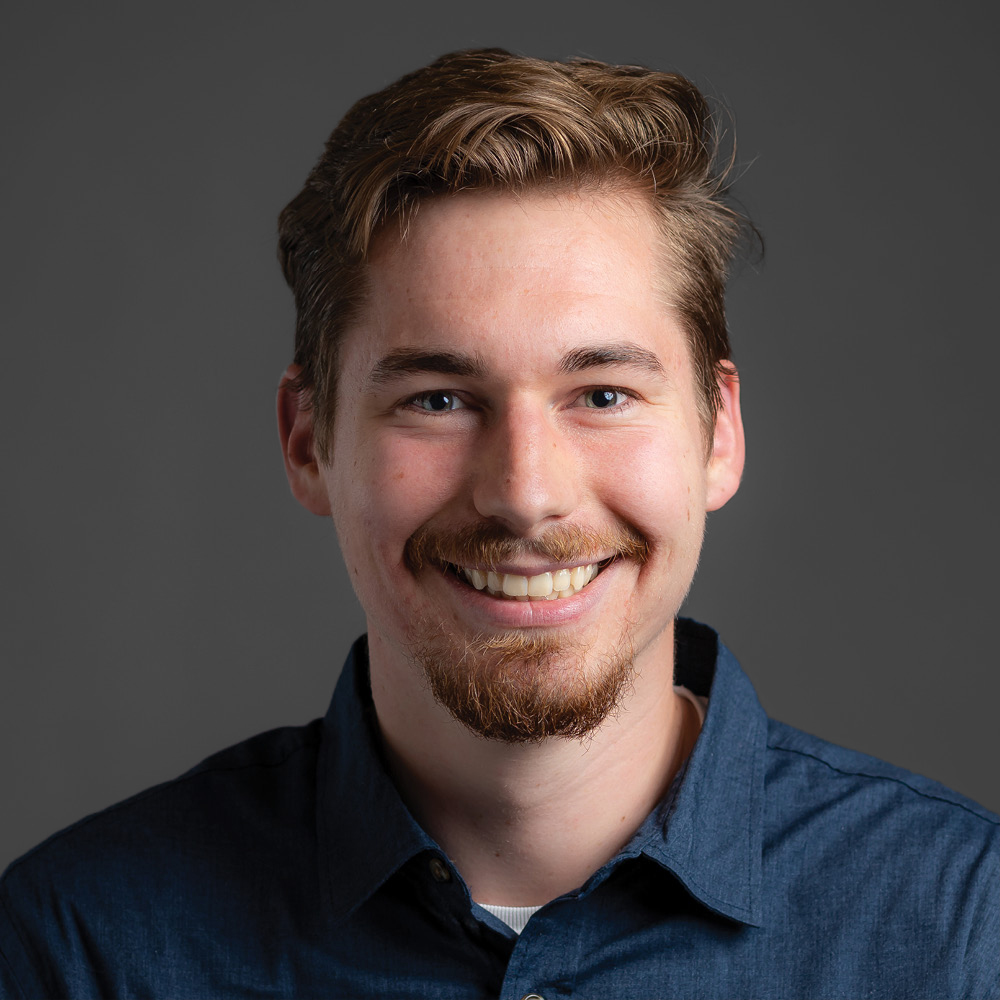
(396, 484)
(656, 482)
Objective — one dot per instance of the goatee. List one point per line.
(522, 685)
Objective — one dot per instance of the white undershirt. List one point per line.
(516, 917)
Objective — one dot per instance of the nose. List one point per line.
(525, 470)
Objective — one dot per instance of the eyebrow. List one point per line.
(405, 361)
(620, 353)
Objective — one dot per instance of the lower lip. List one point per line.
(508, 613)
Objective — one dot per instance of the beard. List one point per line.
(522, 686)
(518, 687)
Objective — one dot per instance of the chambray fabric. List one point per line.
(287, 866)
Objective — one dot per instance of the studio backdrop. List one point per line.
(164, 595)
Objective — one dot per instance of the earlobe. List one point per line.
(725, 464)
(295, 429)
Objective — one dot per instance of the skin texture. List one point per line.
(516, 291)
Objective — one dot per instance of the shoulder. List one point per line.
(878, 848)
(797, 758)
(206, 835)
(249, 774)
(849, 801)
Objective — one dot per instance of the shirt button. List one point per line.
(439, 870)
(532, 996)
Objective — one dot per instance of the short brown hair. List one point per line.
(490, 120)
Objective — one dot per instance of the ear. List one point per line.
(725, 464)
(295, 428)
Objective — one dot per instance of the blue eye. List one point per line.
(438, 402)
(602, 399)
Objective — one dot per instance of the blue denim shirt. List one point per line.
(777, 866)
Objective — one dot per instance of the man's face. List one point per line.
(517, 411)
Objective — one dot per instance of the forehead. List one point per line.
(519, 277)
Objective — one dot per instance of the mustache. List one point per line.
(489, 545)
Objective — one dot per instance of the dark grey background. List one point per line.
(165, 596)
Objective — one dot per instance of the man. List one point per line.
(512, 393)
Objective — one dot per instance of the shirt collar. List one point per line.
(366, 833)
(707, 831)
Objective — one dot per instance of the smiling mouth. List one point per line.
(542, 587)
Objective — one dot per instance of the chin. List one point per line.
(524, 686)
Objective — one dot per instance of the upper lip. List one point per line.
(510, 569)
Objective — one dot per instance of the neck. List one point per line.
(526, 823)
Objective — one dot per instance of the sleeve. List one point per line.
(39, 943)
(18, 981)
(10, 987)
(982, 952)
(48, 944)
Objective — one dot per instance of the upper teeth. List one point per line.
(544, 586)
